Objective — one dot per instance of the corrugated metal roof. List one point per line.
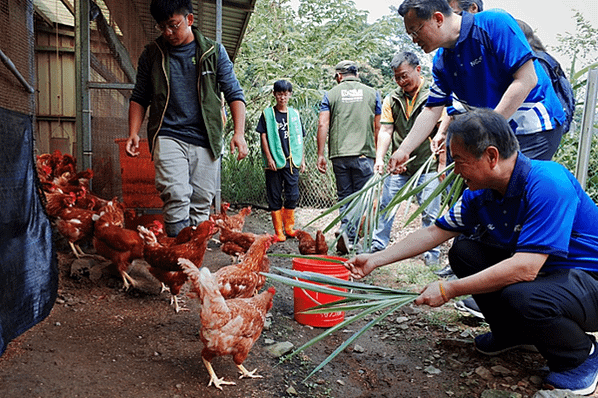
(235, 18)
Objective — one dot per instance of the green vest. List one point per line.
(207, 85)
(402, 125)
(352, 113)
(295, 138)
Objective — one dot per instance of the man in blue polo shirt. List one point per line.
(483, 61)
(534, 276)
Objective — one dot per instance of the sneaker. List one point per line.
(469, 305)
(581, 380)
(431, 260)
(445, 272)
(487, 345)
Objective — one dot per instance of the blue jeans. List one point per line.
(351, 172)
(392, 185)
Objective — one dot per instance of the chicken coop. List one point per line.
(70, 68)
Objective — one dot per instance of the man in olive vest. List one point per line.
(349, 120)
(180, 78)
(400, 109)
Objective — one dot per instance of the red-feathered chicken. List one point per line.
(57, 201)
(321, 245)
(235, 243)
(308, 245)
(77, 226)
(87, 200)
(243, 279)
(66, 164)
(222, 215)
(228, 327)
(119, 245)
(236, 221)
(74, 182)
(158, 229)
(163, 260)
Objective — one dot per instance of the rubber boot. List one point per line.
(288, 218)
(278, 228)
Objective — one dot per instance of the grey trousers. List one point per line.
(186, 179)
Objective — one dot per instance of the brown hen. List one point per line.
(77, 226)
(163, 259)
(228, 327)
(236, 221)
(308, 245)
(119, 245)
(244, 279)
(235, 243)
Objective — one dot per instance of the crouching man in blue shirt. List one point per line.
(534, 276)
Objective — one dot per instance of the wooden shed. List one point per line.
(83, 77)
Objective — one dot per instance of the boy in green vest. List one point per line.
(282, 150)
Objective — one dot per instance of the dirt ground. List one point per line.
(100, 341)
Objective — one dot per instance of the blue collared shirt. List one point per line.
(544, 210)
(479, 68)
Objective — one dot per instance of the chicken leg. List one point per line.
(213, 378)
(245, 373)
(128, 281)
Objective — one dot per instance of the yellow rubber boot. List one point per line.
(277, 221)
(288, 218)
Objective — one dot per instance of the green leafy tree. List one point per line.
(303, 46)
(581, 47)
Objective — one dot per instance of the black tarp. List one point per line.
(28, 265)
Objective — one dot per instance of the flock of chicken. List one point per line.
(232, 312)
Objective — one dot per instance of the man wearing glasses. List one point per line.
(483, 61)
(180, 77)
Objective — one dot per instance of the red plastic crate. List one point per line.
(137, 174)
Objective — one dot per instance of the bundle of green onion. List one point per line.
(367, 299)
(362, 211)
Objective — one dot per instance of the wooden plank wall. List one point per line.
(55, 104)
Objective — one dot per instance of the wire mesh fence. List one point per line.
(244, 181)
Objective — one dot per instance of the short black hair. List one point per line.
(282, 86)
(402, 57)
(480, 128)
(424, 9)
(533, 40)
(465, 5)
(163, 10)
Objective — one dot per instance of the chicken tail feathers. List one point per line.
(192, 272)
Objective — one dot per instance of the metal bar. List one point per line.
(55, 118)
(111, 86)
(218, 193)
(82, 67)
(219, 21)
(11, 67)
(587, 124)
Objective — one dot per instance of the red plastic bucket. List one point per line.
(305, 299)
